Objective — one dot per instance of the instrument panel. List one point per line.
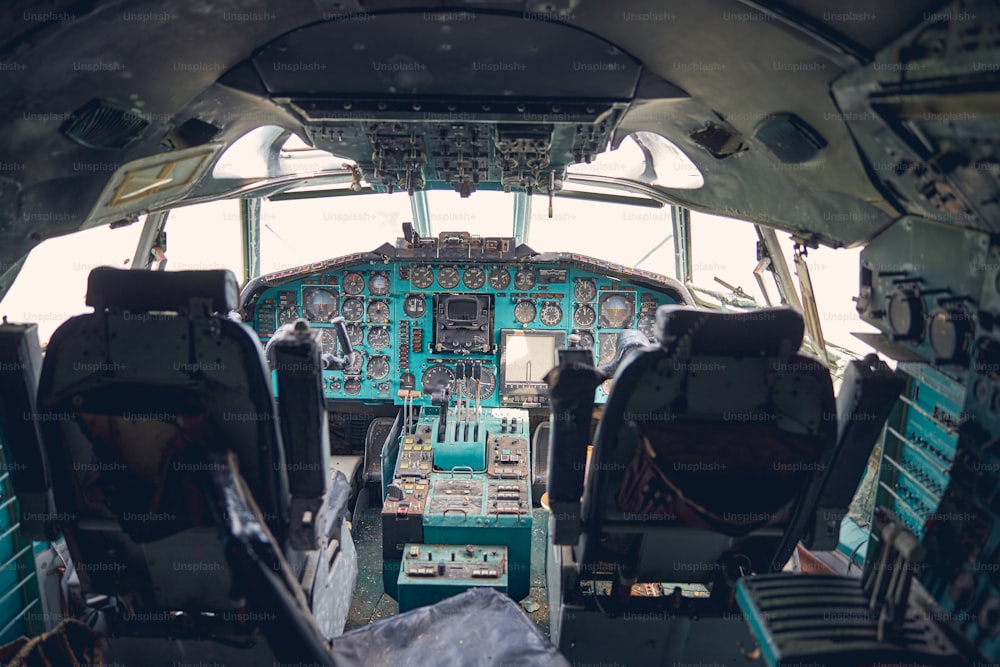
(486, 329)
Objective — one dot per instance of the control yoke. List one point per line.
(627, 340)
(334, 363)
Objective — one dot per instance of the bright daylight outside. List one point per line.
(636, 233)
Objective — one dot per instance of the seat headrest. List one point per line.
(766, 332)
(140, 291)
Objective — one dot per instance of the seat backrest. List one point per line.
(707, 440)
(131, 399)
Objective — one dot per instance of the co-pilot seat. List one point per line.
(704, 468)
(157, 415)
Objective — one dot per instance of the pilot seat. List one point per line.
(176, 480)
(706, 466)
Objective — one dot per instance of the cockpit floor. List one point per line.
(370, 602)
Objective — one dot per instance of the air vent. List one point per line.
(791, 139)
(718, 140)
(104, 124)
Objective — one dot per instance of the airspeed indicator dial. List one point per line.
(448, 277)
(422, 276)
(474, 277)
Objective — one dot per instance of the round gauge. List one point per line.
(353, 309)
(352, 386)
(435, 378)
(378, 338)
(524, 279)
(328, 341)
(949, 332)
(355, 334)
(499, 278)
(414, 306)
(584, 316)
(551, 314)
(378, 284)
(319, 304)
(584, 290)
(288, 315)
(646, 324)
(906, 314)
(474, 277)
(378, 368)
(586, 340)
(607, 351)
(487, 384)
(335, 385)
(616, 311)
(356, 363)
(422, 276)
(354, 283)
(378, 311)
(524, 312)
(448, 277)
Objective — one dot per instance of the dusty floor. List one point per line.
(371, 603)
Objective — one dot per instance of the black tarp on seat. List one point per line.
(476, 628)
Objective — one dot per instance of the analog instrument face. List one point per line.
(328, 341)
(357, 361)
(607, 351)
(474, 277)
(355, 334)
(647, 323)
(352, 386)
(319, 304)
(524, 312)
(354, 283)
(422, 276)
(378, 368)
(616, 311)
(487, 384)
(448, 277)
(353, 309)
(584, 290)
(378, 338)
(378, 284)
(288, 315)
(586, 339)
(414, 306)
(551, 314)
(436, 377)
(378, 311)
(524, 279)
(584, 316)
(499, 278)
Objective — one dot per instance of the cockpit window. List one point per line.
(638, 235)
(52, 284)
(300, 231)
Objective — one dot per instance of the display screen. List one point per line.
(529, 355)
(462, 310)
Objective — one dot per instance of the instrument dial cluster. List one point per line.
(391, 311)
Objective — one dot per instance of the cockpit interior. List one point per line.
(500, 332)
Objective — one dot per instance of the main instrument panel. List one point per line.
(420, 324)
